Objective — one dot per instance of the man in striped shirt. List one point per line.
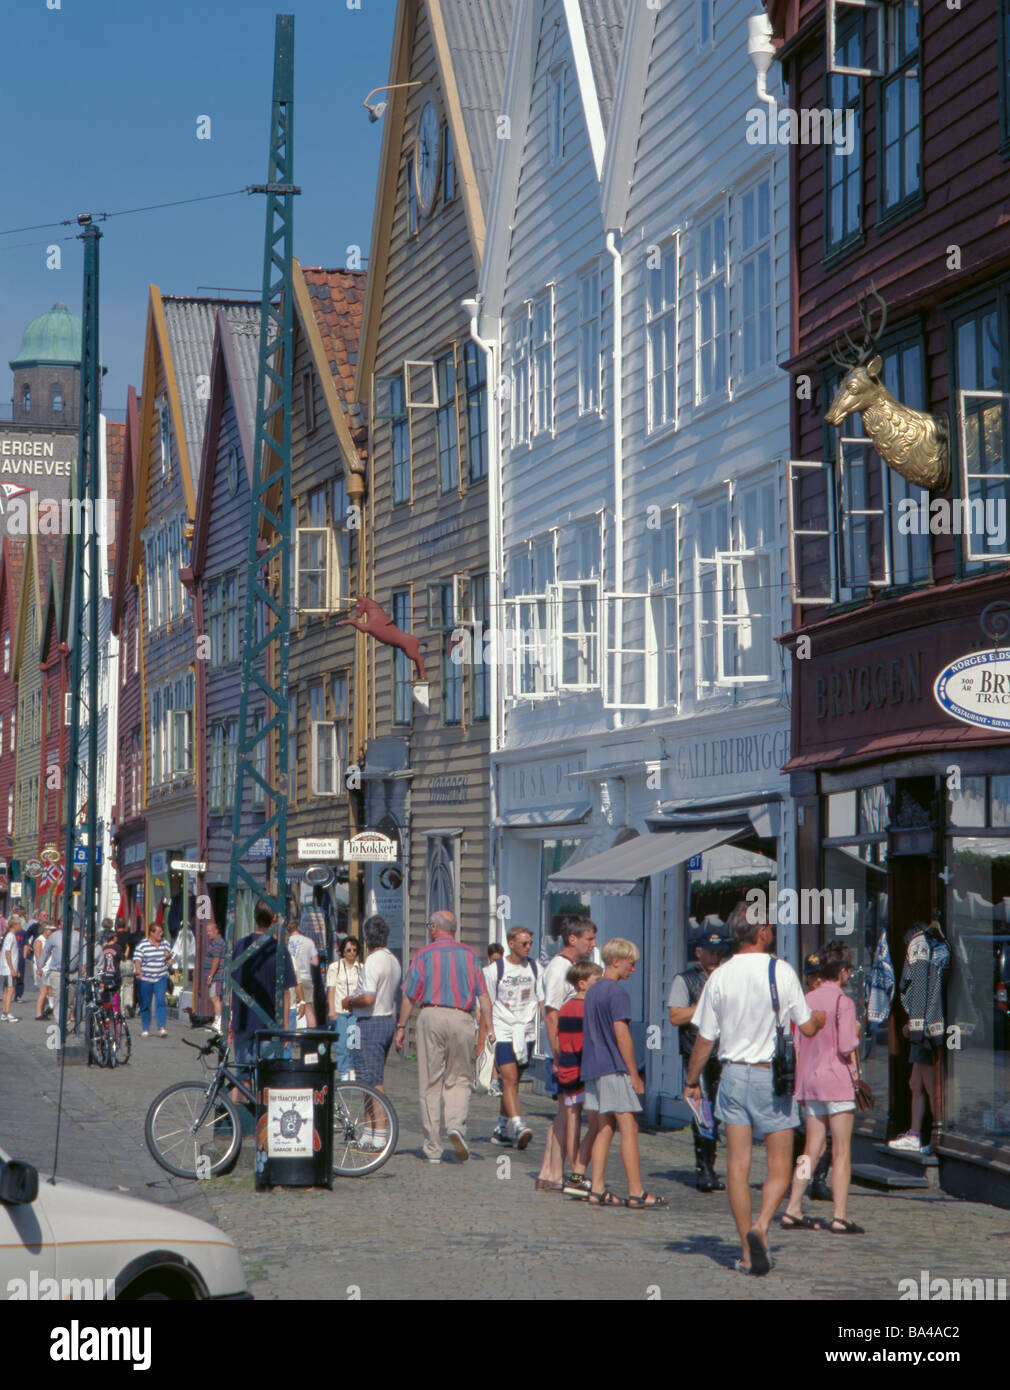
(446, 983)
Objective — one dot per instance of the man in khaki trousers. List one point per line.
(445, 983)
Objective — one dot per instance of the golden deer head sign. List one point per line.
(912, 443)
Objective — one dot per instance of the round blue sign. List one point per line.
(976, 689)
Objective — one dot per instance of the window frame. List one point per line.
(589, 393)
(658, 318)
(893, 76)
(762, 246)
(447, 422)
(402, 675)
(705, 283)
(542, 363)
(557, 104)
(475, 392)
(853, 28)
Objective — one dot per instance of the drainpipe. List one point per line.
(761, 51)
(617, 412)
(496, 569)
(192, 583)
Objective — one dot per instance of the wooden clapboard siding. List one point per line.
(964, 182)
(418, 316)
(12, 558)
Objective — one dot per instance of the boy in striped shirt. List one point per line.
(582, 975)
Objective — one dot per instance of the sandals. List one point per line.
(606, 1198)
(844, 1228)
(760, 1261)
(646, 1201)
(799, 1223)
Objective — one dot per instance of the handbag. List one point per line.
(784, 1058)
(483, 1071)
(862, 1094)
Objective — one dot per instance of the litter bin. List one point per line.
(294, 1124)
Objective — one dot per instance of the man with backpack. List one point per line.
(517, 996)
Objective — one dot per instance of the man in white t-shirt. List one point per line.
(10, 960)
(303, 957)
(374, 1006)
(736, 1007)
(516, 990)
(578, 941)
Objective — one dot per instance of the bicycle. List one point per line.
(107, 1034)
(193, 1129)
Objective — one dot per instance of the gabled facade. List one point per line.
(425, 771)
(174, 396)
(220, 551)
(12, 554)
(54, 752)
(128, 828)
(328, 461)
(900, 803)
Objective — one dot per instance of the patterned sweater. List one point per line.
(927, 962)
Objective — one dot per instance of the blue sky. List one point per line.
(101, 115)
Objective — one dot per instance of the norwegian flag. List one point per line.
(52, 876)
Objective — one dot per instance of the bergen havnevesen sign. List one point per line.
(976, 689)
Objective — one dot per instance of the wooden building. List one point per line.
(12, 557)
(425, 772)
(127, 824)
(898, 801)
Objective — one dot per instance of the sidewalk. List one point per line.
(476, 1231)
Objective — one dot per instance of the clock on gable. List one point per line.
(426, 158)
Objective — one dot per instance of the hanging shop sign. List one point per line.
(50, 855)
(318, 847)
(32, 868)
(373, 846)
(976, 689)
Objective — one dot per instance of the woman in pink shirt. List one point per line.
(824, 1084)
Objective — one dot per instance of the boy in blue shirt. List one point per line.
(613, 1085)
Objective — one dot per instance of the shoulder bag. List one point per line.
(862, 1094)
(784, 1058)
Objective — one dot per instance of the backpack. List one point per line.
(500, 971)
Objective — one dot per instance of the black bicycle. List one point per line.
(106, 1031)
(194, 1129)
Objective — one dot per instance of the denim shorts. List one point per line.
(746, 1098)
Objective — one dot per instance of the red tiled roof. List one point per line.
(338, 299)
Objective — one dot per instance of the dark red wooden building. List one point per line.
(897, 800)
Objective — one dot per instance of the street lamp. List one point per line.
(375, 112)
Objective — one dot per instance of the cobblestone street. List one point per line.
(477, 1230)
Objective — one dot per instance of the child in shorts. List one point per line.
(582, 975)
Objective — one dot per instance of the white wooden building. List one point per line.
(642, 713)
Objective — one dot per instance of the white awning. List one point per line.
(551, 815)
(619, 870)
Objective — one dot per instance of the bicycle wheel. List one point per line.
(121, 1043)
(181, 1143)
(97, 1040)
(365, 1129)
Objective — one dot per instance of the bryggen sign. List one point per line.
(872, 685)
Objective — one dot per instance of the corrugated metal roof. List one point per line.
(190, 323)
(604, 22)
(245, 344)
(478, 35)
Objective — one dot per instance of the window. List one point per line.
(480, 692)
(543, 363)
(231, 627)
(230, 762)
(136, 646)
(26, 399)
(578, 613)
(590, 356)
(756, 308)
(844, 172)
(448, 166)
(556, 115)
(164, 434)
(135, 773)
(402, 672)
(983, 432)
(400, 425)
(317, 575)
(712, 535)
(7, 652)
(341, 516)
(232, 470)
(293, 745)
(444, 618)
(712, 309)
(475, 385)
(56, 398)
(706, 22)
(2, 734)
(324, 760)
(215, 770)
(161, 577)
(259, 759)
(338, 692)
(900, 107)
(10, 810)
(443, 873)
(664, 585)
(309, 401)
(445, 421)
(661, 330)
(522, 348)
(215, 621)
(181, 726)
(531, 588)
(411, 198)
